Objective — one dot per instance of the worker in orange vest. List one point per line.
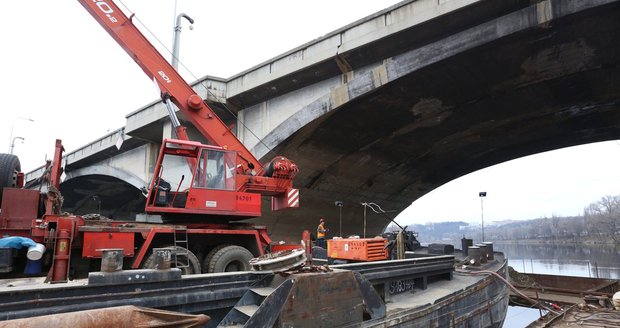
(320, 233)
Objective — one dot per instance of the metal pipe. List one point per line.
(122, 316)
(172, 114)
(61, 257)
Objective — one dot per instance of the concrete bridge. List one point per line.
(392, 106)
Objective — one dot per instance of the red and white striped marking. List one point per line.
(293, 198)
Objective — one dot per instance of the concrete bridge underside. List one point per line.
(517, 85)
(540, 89)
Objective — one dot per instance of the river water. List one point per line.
(568, 260)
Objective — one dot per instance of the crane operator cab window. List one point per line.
(215, 170)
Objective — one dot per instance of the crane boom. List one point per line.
(169, 81)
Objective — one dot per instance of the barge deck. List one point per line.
(423, 290)
(570, 301)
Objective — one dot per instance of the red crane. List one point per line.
(216, 185)
(274, 179)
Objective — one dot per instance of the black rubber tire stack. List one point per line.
(9, 168)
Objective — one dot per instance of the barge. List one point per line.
(423, 290)
(568, 301)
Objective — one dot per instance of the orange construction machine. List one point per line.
(358, 249)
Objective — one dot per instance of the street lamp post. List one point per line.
(174, 120)
(177, 39)
(365, 205)
(13, 144)
(482, 194)
(339, 204)
(11, 139)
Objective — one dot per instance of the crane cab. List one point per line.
(191, 178)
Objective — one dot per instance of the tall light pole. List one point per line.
(177, 39)
(482, 194)
(11, 139)
(365, 205)
(339, 204)
(13, 144)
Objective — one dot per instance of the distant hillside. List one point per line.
(599, 224)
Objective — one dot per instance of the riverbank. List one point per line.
(573, 242)
(587, 242)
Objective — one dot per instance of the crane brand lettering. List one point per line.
(106, 9)
(164, 76)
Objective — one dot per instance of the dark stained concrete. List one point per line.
(102, 194)
(548, 87)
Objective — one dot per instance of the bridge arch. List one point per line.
(102, 189)
(501, 90)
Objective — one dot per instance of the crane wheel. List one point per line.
(184, 260)
(209, 257)
(230, 259)
(9, 168)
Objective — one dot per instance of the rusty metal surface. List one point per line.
(466, 301)
(120, 317)
(195, 294)
(330, 299)
(564, 282)
(559, 289)
(279, 261)
(580, 316)
(19, 208)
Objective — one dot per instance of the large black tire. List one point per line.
(207, 259)
(230, 259)
(194, 263)
(9, 167)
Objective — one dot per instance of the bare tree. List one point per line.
(603, 217)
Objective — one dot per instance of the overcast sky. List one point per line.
(556, 183)
(62, 70)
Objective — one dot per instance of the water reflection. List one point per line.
(519, 317)
(582, 261)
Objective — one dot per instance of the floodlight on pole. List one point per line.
(177, 38)
(339, 204)
(482, 194)
(365, 205)
(11, 139)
